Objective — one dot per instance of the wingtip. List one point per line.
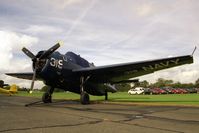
(194, 50)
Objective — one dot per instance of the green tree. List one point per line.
(144, 84)
(197, 83)
(163, 82)
(123, 87)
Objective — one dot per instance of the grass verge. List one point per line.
(123, 97)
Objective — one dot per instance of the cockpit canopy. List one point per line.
(77, 59)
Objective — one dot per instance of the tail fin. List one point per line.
(13, 89)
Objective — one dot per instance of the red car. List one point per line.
(152, 91)
(179, 91)
(161, 91)
(183, 91)
(158, 91)
(175, 91)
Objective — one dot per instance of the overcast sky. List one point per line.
(101, 31)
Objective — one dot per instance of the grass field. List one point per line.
(170, 99)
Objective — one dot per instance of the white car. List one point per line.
(137, 90)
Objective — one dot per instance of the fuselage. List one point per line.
(57, 72)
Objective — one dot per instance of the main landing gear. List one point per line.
(84, 97)
(47, 96)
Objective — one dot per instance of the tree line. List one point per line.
(161, 82)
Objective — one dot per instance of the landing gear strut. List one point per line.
(84, 97)
(106, 96)
(47, 96)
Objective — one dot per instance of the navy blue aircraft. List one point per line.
(73, 73)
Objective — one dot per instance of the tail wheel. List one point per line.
(85, 98)
(46, 98)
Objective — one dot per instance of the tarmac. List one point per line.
(64, 116)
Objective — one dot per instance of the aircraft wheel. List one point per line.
(85, 98)
(46, 98)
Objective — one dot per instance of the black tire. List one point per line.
(84, 98)
(46, 98)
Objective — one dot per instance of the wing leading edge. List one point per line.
(22, 75)
(120, 72)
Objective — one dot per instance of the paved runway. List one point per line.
(70, 116)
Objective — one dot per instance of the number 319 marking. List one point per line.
(56, 63)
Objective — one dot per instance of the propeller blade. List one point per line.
(33, 80)
(50, 51)
(28, 53)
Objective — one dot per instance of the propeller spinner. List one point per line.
(36, 60)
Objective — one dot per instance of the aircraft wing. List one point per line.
(22, 75)
(121, 72)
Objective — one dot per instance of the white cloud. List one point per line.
(12, 43)
(43, 29)
(62, 4)
(10, 46)
(144, 9)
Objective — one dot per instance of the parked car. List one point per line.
(183, 91)
(147, 91)
(175, 91)
(154, 91)
(161, 91)
(167, 89)
(137, 90)
(192, 90)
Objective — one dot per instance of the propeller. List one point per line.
(50, 51)
(28, 53)
(36, 60)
